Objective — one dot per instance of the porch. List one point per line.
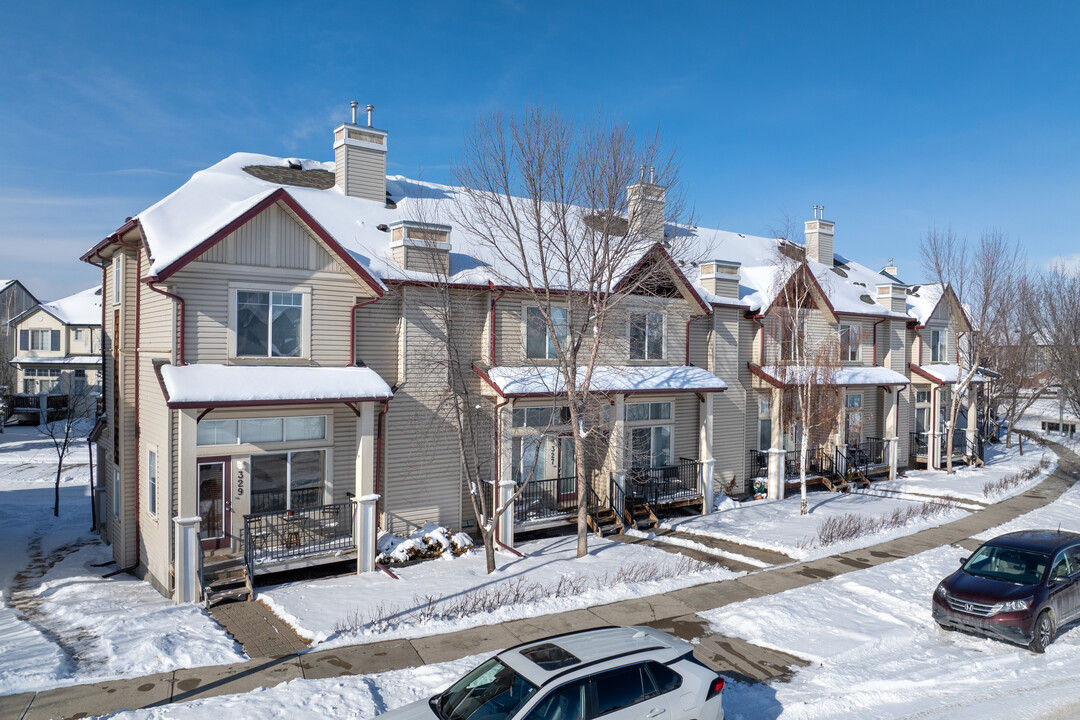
(867, 458)
(962, 446)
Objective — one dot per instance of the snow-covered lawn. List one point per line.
(548, 579)
(876, 652)
(777, 525)
(60, 621)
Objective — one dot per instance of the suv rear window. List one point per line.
(666, 678)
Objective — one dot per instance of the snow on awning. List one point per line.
(201, 386)
(945, 374)
(72, 360)
(850, 376)
(534, 381)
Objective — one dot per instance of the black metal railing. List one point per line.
(867, 455)
(958, 442)
(668, 483)
(919, 444)
(274, 537)
(274, 501)
(759, 463)
(545, 499)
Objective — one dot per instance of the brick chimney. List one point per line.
(360, 157)
(819, 238)
(645, 206)
(720, 277)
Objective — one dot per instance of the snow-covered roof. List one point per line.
(70, 360)
(849, 376)
(4, 284)
(531, 380)
(946, 374)
(82, 308)
(239, 385)
(924, 300)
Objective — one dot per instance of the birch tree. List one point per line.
(546, 199)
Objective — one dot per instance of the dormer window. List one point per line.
(646, 336)
(849, 343)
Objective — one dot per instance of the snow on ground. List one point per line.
(1063, 513)
(777, 525)
(875, 652)
(548, 579)
(60, 621)
(1049, 410)
(358, 697)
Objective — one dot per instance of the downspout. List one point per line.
(494, 300)
(352, 328)
(180, 308)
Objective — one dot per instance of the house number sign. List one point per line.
(240, 476)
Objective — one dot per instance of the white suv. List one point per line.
(613, 673)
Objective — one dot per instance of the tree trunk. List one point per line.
(56, 497)
(582, 495)
(802, 472)
(489, 549)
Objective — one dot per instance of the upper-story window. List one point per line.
(540, 342)
(269, 323)
(937, 346)
(116, 278)
(646, 336)
(789, 330)
(43, 340)
(850, 341)
(77, 334)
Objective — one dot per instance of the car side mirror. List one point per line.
(963, 560)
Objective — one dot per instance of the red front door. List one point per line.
(215, 508)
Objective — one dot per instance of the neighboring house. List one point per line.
(59, 351)
(275, 369)
(14, 300)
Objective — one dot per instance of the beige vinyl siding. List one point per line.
(154, 435)
(124, 532)
(365, 172)
(749, 346)
(729, 407)
(342, 476)
(423, 477)
(377, 335)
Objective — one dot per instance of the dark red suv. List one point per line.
(1018, 587)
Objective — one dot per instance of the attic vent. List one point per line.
(613, 225)
(292, 175)
(867, 299)
(839, 272)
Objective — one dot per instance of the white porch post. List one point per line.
(188, 585)
(891, 431)
(365, 499)
(705, 453)
(506, 522)
(619, 457)
(972, 421)
(777, 472)
(186, 547)
(933, 454)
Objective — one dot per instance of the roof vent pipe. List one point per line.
(354, 105)
(370, 109)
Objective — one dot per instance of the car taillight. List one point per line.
(716, 688)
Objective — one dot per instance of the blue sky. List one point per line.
(895, 116)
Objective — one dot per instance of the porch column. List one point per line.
(364, 497)
(705, 451)
(777, 473)
(188, 553)
(972, 420)
(892, 398)
(364, 532)
(619, 445)
(933, 451)
(504, 458)
(186, 522)
(506, 522)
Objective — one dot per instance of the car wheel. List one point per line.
(1043, 632)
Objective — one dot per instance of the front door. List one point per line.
(214, 506)
(567, 469)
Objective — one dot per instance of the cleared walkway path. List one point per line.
(674, 612)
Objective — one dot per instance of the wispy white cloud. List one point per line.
(1069, 262)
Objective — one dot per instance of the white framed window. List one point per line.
(650, 442)
(853, 418)
(540, 342)
(270, 323)
(646, 336)
(77, 333)
(764, 424)
(151, 482)
(116, 493)
(540, 417)
(116, 278)
(42, 340)
(850, 341)
(288, 480)
(937, 346)
(259, 431)
(636, 412)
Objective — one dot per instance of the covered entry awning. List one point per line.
(545, 381)
(202, 386)
(945, 374)
(850, 376)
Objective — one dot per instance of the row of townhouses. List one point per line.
(270, 395)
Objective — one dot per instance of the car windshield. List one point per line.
(492, 691)
(1023, 567)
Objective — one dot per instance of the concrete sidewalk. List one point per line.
(674, 612)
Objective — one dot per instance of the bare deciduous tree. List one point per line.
(805, 365)
(547, 200)
(1058, 316)
(68, 427)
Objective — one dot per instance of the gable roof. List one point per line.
(82, 308)
(923, 302)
